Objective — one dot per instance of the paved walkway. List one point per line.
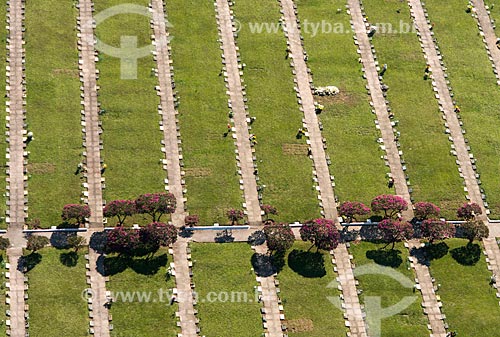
(489, 36)
(168, 112)
(15, 294)
(379, 104)
(430, 303)
(100, 313)
(91, 126)
(292, 32)
(184, 291)
(235, 91)
(349, 291)
(445, 101)
(272, 313)
(16, 180)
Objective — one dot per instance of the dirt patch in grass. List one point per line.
(70, 72)
(343, 97)
(41, 168)
(299, 325)
(198, 172)
(295, 149)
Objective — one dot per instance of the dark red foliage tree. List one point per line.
(279, 237)
(425, 210)
(475, 230)
(75, 212)
(122, 240)
(434, 229)
(235, 215)
(469, 211)
(121, 209)
(191, 220)
(395, 231)
(269, 210)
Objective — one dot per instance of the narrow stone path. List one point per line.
(446, 102)
(347, 282)
(16, 178)
(235, 92)
(91, 126)
(92, 165)
(488, 33)
(100, 314)
(168, 111)
(303, 79)
(379, 104)
(184, 292)
(271, 304)
(431, 305)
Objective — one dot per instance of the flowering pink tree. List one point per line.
(191, 220)
(434, 229)
(395, 231)
(158, 234)
(391, 205)
(469, 211)
(235, 215)
(156, 204)
(322, 233)
(425, 210)
(269, 210)
(279, 237)
(350, 209)
(121, 209)
(75, 212)
(122, 240)
(475, 230)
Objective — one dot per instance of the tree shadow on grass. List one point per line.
(263, 265)
(307, 264)
(69, 259)
(430, 252)
(28, 262)
(59, 240)
(113, 265)
(389, 258)
(148, 266)
(467, 255)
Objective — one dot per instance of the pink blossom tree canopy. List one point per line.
(389, 204)
(235, 215)
(156, 204)
(269, 210)
(350, 209)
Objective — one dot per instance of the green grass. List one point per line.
(53, 108)
(271, 98)
(210, 162)
(469, 303)
(56, 305)
(220, 270)
(145, 278)
(306, 285)
(347, 119)
(431, 167)
(409, 322)
(3, 144)
(471, 77)
(131, 134)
